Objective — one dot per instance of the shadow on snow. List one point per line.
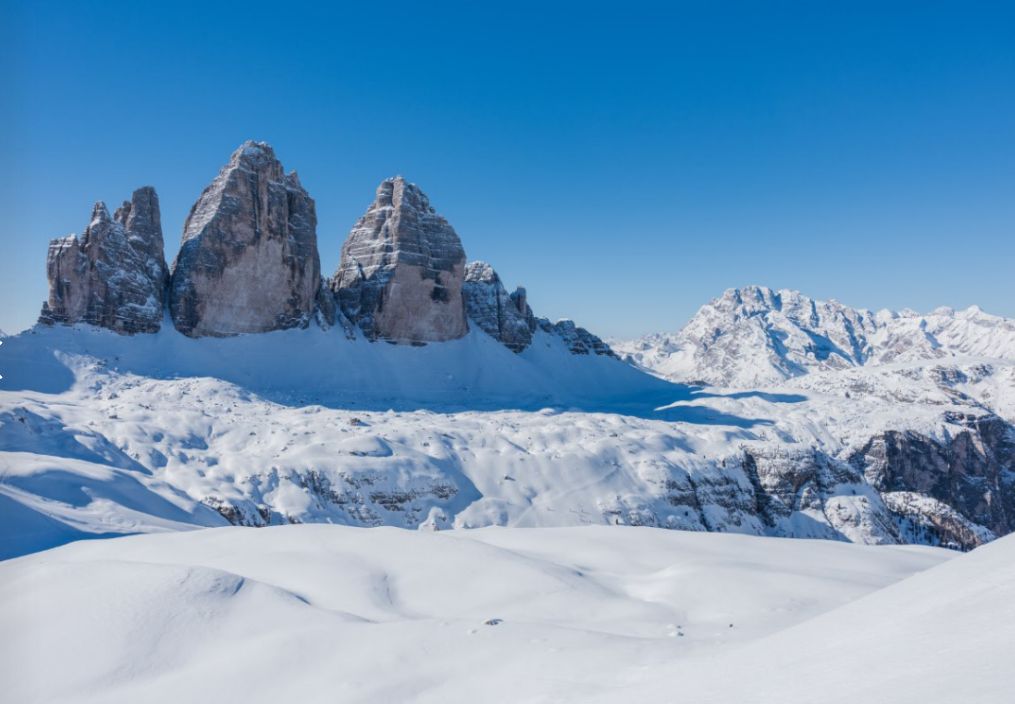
(314, 366)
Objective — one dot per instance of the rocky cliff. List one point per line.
(402, 268)
(113, 276)
(505, 317)
(249, 261)
(969, 472)
(578, 339)
(509, 319)
(869, 375)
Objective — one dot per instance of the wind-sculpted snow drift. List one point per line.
(335, 614)
(857, 430)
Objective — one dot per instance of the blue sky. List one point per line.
(626, 162)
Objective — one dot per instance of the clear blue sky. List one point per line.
(625, 162)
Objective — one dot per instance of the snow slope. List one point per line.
(325, 367)
(328, 613)
(943, 635)
(106, 435)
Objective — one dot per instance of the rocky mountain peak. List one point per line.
(249, 263)
(115, 275)
(256, 156)
(481, 272)
(398, 193)
(141, 215)
(509, 319)
(100, 215)
(249, 259)
(505, 317)
(402, 268)
(756, 336)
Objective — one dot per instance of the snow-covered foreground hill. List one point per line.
(943, 635)
(330, 613)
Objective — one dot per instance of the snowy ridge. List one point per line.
(755, 336)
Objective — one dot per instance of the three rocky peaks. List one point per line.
(249, 263)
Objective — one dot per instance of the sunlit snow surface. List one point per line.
(102, 435)
(106, 435)
(319, 613)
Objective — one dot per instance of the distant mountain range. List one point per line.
(756, 336)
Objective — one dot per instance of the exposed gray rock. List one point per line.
(505, 317)
(578, 340)
(115, 274)
(327, 307)
(509, 319)
(249, 260)
(402, 267)
(972, 472)
(926, 521)
(328, 313)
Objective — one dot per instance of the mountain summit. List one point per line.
(755, 336)
(400, 277)
(249, 263)
(114, 275)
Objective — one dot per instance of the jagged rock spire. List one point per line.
(115, 274)
(505, 317)
(249, 259)
(402, 267)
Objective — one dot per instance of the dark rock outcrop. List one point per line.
(249, 259)
(578, 339)
(509, 319)
(973, 472)
(113, 276)
(505, 317)
(402, 267)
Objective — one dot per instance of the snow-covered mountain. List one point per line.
(754, 336)
(412, 389)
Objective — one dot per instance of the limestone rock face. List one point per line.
(578, 339)
(968, 473)
(113, 276)
(509, 319)
(402, 268)
(249, 260)
(505, 317)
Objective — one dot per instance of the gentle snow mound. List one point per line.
(328, 613)
(945, 635)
